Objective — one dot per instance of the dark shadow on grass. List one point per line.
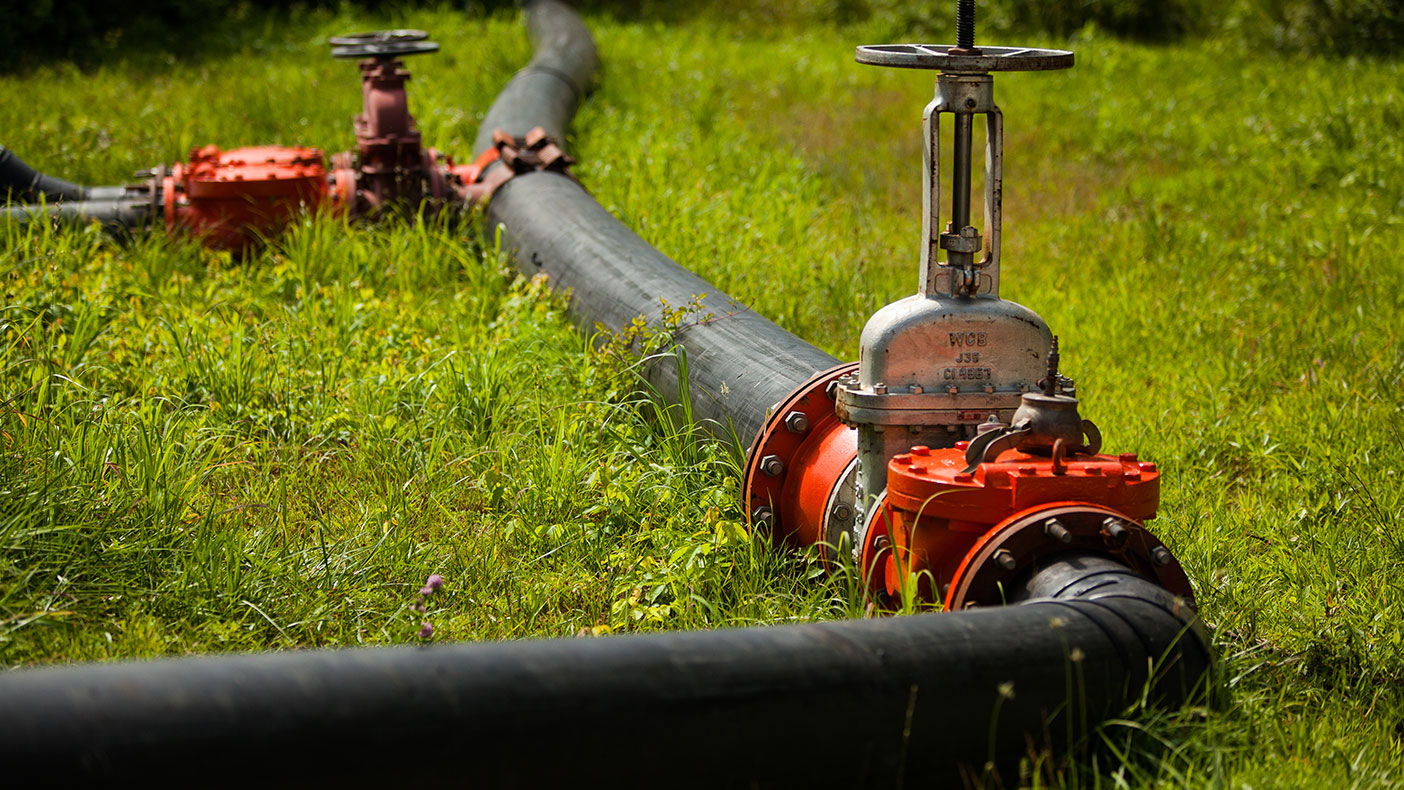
(151, 34)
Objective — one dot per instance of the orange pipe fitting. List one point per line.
(950, 533)
(232, 198)
(796, 467)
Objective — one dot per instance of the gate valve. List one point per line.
(936, 365)
(389, 167)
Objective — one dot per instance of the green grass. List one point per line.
(201, 455)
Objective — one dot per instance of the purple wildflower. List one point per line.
(425, 631)
(418, 606)
(432, 584)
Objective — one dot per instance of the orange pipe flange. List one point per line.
(796, 469)
(1024, 540)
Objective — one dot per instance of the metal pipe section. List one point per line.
(902, 701)
(19, 181)
(960, 172)
(114, 213)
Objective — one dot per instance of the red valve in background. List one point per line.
(234, 199)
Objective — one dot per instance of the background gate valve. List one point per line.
(233, 199)
(389, 168)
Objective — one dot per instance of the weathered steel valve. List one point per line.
(958, 458)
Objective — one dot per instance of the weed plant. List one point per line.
(204, 455)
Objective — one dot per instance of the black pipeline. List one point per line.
(901, 701)
(738, 363)
(920, 700)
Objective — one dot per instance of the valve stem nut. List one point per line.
(1114, 532)
(797, 422)
(772, 466)
(1054, 529)
(1005, 560)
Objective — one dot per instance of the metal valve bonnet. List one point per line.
(935, 365)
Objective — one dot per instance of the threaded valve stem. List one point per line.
(965, 24)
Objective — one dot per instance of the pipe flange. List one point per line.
(841, 517)
(770, 466)
(1021, 542)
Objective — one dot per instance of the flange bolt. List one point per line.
(1114, 532)
(796, 422)
(762, 516)
(842, 511)
(1161, 555)
(1005, 560)
(1055, 530)
(772, 466)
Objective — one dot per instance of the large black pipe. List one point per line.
(547, 90)
(738, 363)
(903, 701)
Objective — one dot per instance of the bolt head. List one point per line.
(762, 516)
(1161, 555)
(842, 511)
(797, 422)
(772, 466)
(1005, 560)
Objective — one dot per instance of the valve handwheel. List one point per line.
(958, 60)
(382, 44)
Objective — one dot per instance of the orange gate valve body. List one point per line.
(937, 515)
(233, 198)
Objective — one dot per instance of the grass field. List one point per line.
(203, 455)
